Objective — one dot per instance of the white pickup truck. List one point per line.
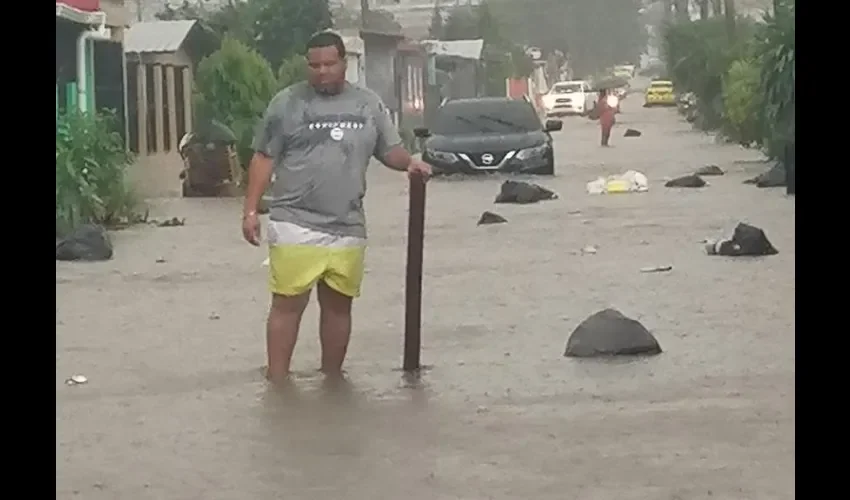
(568, 98)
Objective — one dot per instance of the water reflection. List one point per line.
(324, 436)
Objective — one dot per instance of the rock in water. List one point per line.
(709, 170)
(775, 177)
(523, 193)
(88, 242)
(630, 132)
(746, 241)
(491, 218)
(610, 333)
(687, 181)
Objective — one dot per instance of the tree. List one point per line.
(277, 29)
(461, 24)
(717, 7)
(703, 9)
(234, 85)
(378, 20)
(282, 28)
(729, 12)
(436, 29)
(596, 34)
(293, 70)
(681, 8)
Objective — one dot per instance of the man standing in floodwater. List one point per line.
(318, 137)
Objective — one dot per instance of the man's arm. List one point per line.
(389, 149)
(268, 143)
(259, 176)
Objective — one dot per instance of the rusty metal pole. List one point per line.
(413, 279)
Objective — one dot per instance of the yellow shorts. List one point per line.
(299, 257)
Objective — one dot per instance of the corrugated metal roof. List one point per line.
(157, 36)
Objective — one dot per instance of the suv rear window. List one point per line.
(475, 117)
(566, 88)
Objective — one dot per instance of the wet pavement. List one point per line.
(176, 408)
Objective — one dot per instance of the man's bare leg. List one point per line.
(282, 333)
(334, 327)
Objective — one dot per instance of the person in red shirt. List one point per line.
(606, 116)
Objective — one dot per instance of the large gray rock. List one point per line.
(88, 242)
(610, 333)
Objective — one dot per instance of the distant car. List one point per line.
(660, 93)
(568, 98)
(489, 134)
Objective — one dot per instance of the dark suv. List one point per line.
(489, 134)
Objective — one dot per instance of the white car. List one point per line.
(568, 98)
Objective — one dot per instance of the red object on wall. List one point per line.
(85, 5)
(517, 87)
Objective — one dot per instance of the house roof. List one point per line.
(157, 36)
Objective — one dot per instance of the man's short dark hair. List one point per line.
(327, 39)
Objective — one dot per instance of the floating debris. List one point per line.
(656, 269)
(76, 380)
(172, 222)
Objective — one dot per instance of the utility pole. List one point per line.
(703, 9)
(729, 12)
(364, 13)
(139, 10)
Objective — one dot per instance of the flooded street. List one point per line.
(176, 407)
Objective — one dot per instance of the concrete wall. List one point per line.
(117, 13)
(380, 68)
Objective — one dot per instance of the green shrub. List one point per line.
(742, 101)
(91, 165)
(292, 70)
(698, 55)
(234, 86)
(775, 45)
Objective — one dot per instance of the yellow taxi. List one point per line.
(660, 93)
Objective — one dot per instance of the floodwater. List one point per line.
(176, 408)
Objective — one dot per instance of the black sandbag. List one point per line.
(491, 218)
(88, 242)
(610, 333)
(709, 170)
(523, 193)
(746, 241)
(686, 181)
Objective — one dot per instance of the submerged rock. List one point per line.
(610, 333)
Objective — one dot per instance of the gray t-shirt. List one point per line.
(321, 146)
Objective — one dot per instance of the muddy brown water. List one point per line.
(176, 408)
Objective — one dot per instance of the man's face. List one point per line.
(326, 69)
